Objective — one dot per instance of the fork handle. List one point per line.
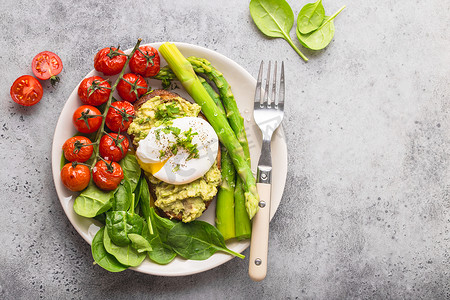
(260, 235)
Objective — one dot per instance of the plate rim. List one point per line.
(56, 161)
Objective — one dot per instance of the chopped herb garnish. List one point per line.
(167, 112)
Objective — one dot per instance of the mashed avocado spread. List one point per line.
(188, 199)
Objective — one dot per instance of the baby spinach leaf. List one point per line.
(144, 196)
(197, 240)
(119, 224)
(321, 37)
(93, 201)
(139, 243)
(275, 19)
(102, 257)
(162, 253)
(131, 170)
(310, 17)
(101, 218)
(123, 196)
(126, 255)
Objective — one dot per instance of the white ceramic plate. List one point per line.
(243, 86)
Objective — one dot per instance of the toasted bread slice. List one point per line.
(166, 96)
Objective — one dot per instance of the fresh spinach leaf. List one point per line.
(144, 196)
(119, 224)
(123, 196)
(197, 240)
(101, 218)
(102, 257)
(93, 201)
(275, 19)
(139, 243)
(162, 253)
(310, 17)
(131, 170)
(321, 37)
(126, 255)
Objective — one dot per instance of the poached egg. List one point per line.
(179, 152)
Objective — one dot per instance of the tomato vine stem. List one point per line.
(101, 130)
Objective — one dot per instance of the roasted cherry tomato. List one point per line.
(87, 119)
(110, 61)
(94, 90)
(107, 175)
(75, 177)
(47, 65)
(131, 87)
(145, 61)
(119, 116)
(113, 146)
(78, 148)
(26, 90)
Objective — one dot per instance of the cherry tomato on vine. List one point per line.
(87, 119)
(78, 148)
(94, 90)
(26, 90)
(107, 175)
(120, 115)
(47, 65)
(131, 87)
(113, 146)
(75, 176)
(145, 61)
(110, 61)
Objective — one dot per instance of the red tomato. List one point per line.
(47, 65)
(26, 90)
(78, 148)
(110, 61)
(94, 90)
(107, 175)
(145, 61)
(113, 146)
(131, 87)
(87, 119)
(75, 177)
(119, 116)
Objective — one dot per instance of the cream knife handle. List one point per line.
(260, 235)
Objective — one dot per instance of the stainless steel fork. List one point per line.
(268, 113)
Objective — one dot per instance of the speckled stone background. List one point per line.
(366, 208)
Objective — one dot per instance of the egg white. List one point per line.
(178, 168)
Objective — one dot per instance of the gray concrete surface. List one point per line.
(366, 209)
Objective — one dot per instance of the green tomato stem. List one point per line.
(101, 130)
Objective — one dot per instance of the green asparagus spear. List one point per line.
(225, 198)
(203, 66)
(186, 75)
(200, 65)
(243, 227)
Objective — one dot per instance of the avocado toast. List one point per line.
(184, 202)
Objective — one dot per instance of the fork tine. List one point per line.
(282, 87)
(258, 84)
(274, 87)
(266, 91)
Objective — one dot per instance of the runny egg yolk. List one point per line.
(152, 168)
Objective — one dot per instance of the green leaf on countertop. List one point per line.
(275, 19)
(310, 17)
